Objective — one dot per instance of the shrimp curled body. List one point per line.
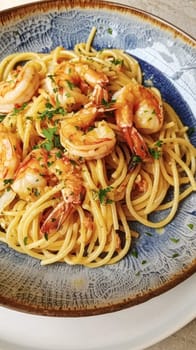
(138, 111)
(21, 86)
(10, 156)
(71, 84)
(83, 139)
(42, 170)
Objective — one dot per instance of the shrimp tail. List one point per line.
(136, 143)
(56, 218)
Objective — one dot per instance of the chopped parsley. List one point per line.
(134, 253)
(135, 160)
(51, 76)
(46, 236)
(70, 84)
(144, 262)
(59, 154)
(17, 110)
(101, 195)
(90, 128)
(52, 139)
(109, 30)
(117, 61)
(50, 112)
(190, 226)
(155, 153)
(8, 181)
(148, 234)
(174, 240)
(2, 116)
(175, 255)
(159, 143)
(107, 103)
(49, 133)
(35, 191)
(25, 240)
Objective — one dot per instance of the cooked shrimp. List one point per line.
(42, 170)
(20, 87)
(91, 76)
(10, 156)
(71, 83)
(138, 109)
(83, 139)
(30, 178)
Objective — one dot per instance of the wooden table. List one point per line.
(183, 15)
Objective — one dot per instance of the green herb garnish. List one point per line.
(154, 153)
(49, 112)
(46, 236)
(8, 181)
(174, 240)
(148, 234)
(134, 253)
(102, 195)
(135, 160)
(25, 240)
(159, 143)
(116, 61)
(175, 255)
(109, 30)
(144, 262)
(19, 109)
(70, 84)
(2, 116)
(52, 139)
(190, 226)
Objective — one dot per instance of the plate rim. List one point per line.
(164, 25)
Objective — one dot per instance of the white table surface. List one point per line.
(181, 13)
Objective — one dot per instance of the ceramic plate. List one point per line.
(133, 328)
(167, 57)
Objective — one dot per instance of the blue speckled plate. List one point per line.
(167, 56)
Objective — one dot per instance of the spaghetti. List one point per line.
(85, 149)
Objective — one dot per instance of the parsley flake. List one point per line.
(25, 240)
(8, 181)
(46, 236)
(190, 226)
(155, 153)
(135, 160)
(19, 109)
(134, 253)
(2, 116)
(70, 84)
(175, 255)
(148, 234)
(102, 195)
(109, 30)
(174, 240)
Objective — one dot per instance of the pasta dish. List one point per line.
(85, 149)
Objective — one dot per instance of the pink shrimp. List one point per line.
(10, 156)
(81, 138)
(20, 87)
(40, 171)
(71, 84)
(138, 110)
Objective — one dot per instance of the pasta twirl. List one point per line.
(85, 149)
